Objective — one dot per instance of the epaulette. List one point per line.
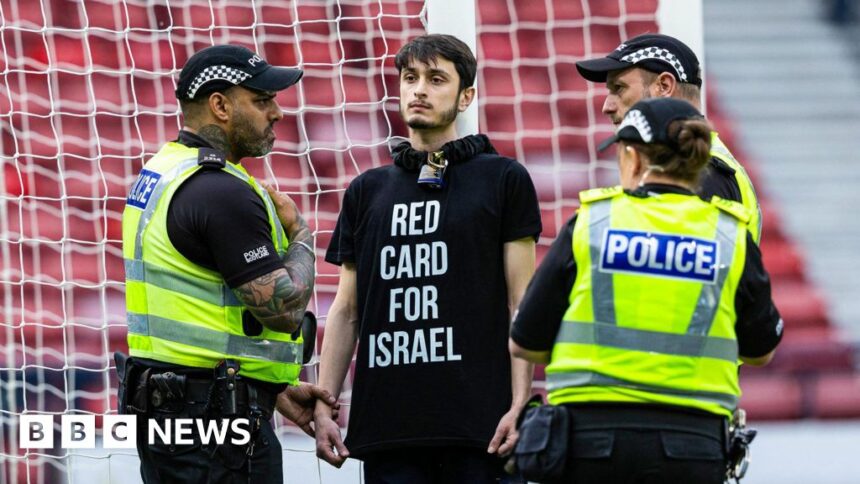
(732, 208)
(595, 194)
(211, 158)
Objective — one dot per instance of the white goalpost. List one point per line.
(86, 96)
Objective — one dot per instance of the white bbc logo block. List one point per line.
(36, 432)
(119, 432)
(78, 431)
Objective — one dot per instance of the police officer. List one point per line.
(642, 308)
(657, 65)
(219, 271)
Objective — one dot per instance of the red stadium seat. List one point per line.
(836, 396)
(569, 41)
(781, 259)
(813, 356)
(772, 397)
(494, 12)
(799, 304)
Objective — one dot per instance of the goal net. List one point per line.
(86, 96)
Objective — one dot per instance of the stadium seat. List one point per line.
(358, 89)
(781, 259)
(496, 45)
(799, 304)
(812, 356)
(771, 223)
(500, 119)
(836, 396)
(321, 91)
(493, 12)
(772, 397)
(532, 12)
(276, 14)
(605, 38)
(497, 82)
(569, 41)
(318, 52)
(574, 113)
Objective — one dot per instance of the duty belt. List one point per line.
(170, 391)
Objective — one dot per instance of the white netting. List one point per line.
(536, 107)
(86, 96)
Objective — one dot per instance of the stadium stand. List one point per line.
(812, 357)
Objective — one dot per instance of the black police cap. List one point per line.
(223, 66)
(648, 121)
(653, 52)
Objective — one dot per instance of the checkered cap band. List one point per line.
(637, 120)
(217, 73)
(658, 54)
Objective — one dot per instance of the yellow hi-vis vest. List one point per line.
(178, 311)
(652, 311)
(748, 196)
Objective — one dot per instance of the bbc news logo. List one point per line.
(120, 431)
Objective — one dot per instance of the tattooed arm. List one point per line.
(278, 299)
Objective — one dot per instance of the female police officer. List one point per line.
(642, 308)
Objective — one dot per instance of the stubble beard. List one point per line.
(247, 141)
(445, 119)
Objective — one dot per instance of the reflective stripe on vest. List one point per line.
(608, 334)
(224, 343)
(602, 291)
(749, 199)
(211, 292)
(181, 313)
(616, 339)
(587, 378)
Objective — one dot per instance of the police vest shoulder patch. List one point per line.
(731, 207)
(142, 189)
(595, 194)
(211, 158)
(663, 255)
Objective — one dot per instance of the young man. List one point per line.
(656, 65)
(435, 251)
(219, 271)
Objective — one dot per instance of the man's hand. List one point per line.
(297, 403)
(330, 446)
(287, 210)
(506, 434)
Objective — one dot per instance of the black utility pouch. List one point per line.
(129, 373)
(167, 391)
(541, 451)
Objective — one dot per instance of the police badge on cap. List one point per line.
(223, 66)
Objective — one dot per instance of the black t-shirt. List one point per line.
(213, 220)
(758, 326)
(432, 366)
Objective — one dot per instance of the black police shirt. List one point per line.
(432, 367)
(224, 237)
(718, 179)
(542, 309)
(218, 235)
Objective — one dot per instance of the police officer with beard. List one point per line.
(219, 271)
